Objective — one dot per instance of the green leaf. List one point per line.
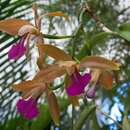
(83, 116)
(99, 38)
(125, 26)
(124, 31)
(43, 120)
(95, 122)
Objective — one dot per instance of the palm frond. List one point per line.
(10, 71)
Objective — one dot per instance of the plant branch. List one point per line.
(124, 10)
(89, 11)
(105, 114)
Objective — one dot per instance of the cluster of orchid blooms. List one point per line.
(100, 69)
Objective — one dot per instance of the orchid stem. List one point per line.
(83, 116)
(73, 111)
(56, 37)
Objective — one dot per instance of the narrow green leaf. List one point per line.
(99, 38)
(124, 31)
(83, 116)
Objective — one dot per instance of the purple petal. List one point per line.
(86, 78)
(27, 108)
(91, 92)
(74, 90)
(17, 50)
(79, 82)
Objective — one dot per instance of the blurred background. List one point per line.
(114, 104)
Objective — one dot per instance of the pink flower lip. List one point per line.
(17, 50)
(79, 82)
(91, 92)
(27, 108)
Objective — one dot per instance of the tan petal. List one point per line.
(12, 26)
(34, 92)
(40, 63)
(53, 107)
(25, 85)
(68, 65)
(98, 62)
(57, 13)
(55, 52)
(95, 74)
(106, 80)
(49, 74)
(28, 29)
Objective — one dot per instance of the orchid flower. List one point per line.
(100, 77)
(17, 50)
(21, 28)
(78, 84)
(33, 89)
(27, 108)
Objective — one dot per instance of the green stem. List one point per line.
(58, 86)
(73, 112)
(74, 40)
(56, 37)
(83, 116)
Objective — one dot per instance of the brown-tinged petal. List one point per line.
(35, 91)
(35, 8)
(68, 65)
(40, 63)
(95, 74)
(12, 26)
(26, 85)
(106, 80)
(41, 59)
(55, 52)
(98, 62)
(53, 107)
(28, 29)
(74, 100)
(57, 13)
(49, 73)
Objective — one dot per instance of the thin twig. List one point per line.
(105, 114)
(88, 10)
(124, 10)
